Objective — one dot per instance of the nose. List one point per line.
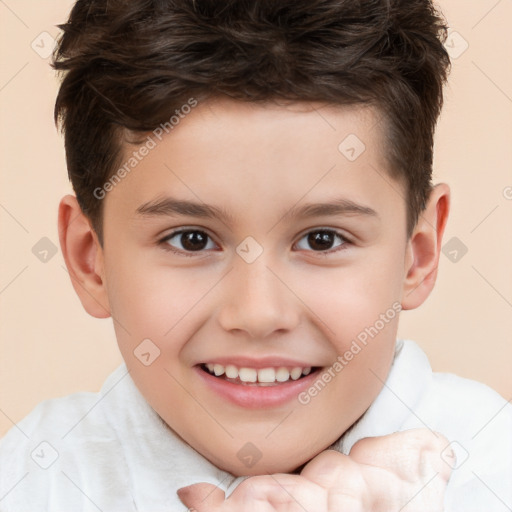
(258, 301)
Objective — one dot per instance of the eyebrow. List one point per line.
(169, 206)
(339, 206)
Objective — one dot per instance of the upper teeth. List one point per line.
(263, 375)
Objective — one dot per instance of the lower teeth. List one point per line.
(238, 381)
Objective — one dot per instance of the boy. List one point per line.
(253, 209)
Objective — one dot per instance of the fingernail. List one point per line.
(183, 492)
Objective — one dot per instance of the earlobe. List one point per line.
(424, 248)
(83, 256)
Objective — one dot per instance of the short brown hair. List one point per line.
(128, 64)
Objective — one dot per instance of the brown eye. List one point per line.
(322, 240)
(191, 240)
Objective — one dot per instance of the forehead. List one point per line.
(243, 156)
(246, 124)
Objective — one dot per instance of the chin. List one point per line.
(264, 466)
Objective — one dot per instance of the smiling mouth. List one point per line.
(271, 376)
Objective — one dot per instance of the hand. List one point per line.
(401, 471)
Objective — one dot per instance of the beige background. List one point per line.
(50, 347)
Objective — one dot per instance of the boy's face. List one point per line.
(261, 279)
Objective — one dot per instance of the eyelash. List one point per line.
(188, 254)
(166, 246)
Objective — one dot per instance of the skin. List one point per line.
(257, 163)
(401, 471)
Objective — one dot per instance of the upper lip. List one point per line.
(259, 363)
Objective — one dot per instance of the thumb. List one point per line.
(201, 497)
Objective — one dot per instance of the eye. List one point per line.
(323, 240)
(188, 240)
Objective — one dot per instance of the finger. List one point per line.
(275, 493)
(202, 497)
(411, 454)
(331, 469)
(292, 493)
(357, 486)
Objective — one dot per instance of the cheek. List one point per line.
(346, 300)
(358, 307)
(149, 305)
(150, 296)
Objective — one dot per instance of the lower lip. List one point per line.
(254, 396)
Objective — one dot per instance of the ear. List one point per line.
(424, 248)
(84, 257)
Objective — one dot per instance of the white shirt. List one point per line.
(109, 451)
